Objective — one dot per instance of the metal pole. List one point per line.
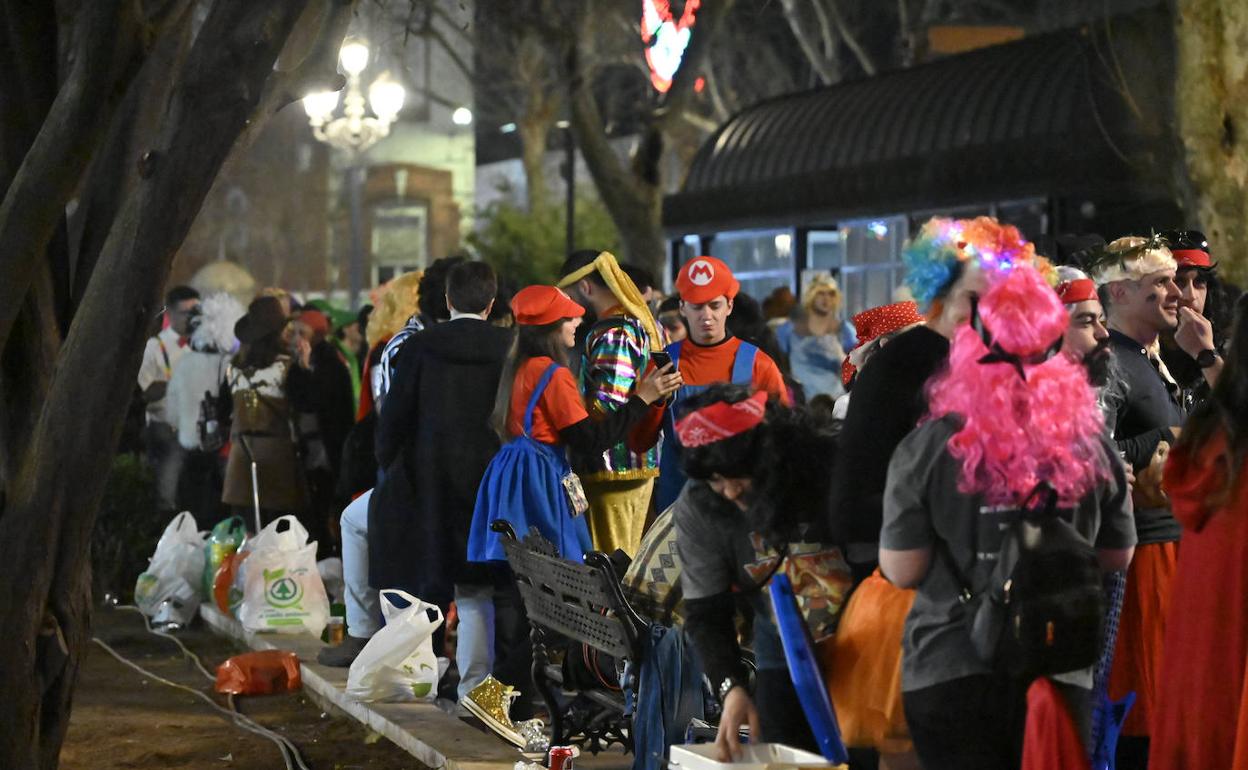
(570, 147)
(355, 181)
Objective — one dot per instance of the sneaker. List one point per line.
(341, 655)
(490, 702)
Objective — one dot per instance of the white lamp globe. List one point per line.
(354, 57)
(386, 97)
(320, 104)
(462, 116)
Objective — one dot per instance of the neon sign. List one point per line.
(665, 38)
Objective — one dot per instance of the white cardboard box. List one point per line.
(756, 756)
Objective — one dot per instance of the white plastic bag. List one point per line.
(398, 663)
(174, 571)
(282, 589)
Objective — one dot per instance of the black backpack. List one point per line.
(1043, 608)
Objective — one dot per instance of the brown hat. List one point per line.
(264, 317)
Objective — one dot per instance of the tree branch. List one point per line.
(814, 57)
(107, 43)
(851, 40)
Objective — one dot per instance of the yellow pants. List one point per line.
(617, 513)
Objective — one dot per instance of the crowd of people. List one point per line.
(1007, 500)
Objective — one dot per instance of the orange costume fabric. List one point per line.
(1050, 740)
(1201, 715)
(708, 364)
(1141, 631)
(559, 407)
(861, 666)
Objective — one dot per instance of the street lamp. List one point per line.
(355, 131)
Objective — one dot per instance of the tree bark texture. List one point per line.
(224, 89)
(1211, 99)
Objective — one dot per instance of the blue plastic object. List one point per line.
(804, 669)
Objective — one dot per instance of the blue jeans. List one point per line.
(474, 648)
(363, 602)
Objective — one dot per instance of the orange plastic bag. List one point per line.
(260, 673)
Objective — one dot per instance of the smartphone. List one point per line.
(660, 359)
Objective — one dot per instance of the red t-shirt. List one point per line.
(559, 406)
(706, 365)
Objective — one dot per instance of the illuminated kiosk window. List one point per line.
(762, 260)
(400, 240)
(870, 254)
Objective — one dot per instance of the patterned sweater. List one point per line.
(617, 352)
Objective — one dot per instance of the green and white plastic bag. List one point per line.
(282, 589)
(398, 663)
(174, 572)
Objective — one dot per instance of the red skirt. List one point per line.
(862, 667)
(1141, 629)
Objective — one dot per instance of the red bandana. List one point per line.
(1079, 290)
(721, 421)
(1192, 258)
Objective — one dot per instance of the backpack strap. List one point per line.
(743, 364)
(537, 394)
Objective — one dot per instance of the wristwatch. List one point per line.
(1206, 358)
(726, 686)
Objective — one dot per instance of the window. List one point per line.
(762, 260)
(871, 261)
(400, 239)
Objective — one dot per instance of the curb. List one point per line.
(435, 738)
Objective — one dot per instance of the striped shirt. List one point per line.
(617, 352)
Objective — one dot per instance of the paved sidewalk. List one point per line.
(436, 738)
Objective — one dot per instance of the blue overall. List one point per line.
(671, 474)
(523, 485)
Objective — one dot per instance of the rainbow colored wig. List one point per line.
(936, 257)
(1026, 422)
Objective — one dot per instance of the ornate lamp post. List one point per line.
(355, 131)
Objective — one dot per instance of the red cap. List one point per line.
(314, 320)
(878, 321)
(1192, 258)
(705, 278)
(541, 305)
(1079, 290)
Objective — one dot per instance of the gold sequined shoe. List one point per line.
(490, 702)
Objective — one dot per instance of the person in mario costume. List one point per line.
(710, 354)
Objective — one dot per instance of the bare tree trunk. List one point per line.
(106, 38)
(1211, 98)
(542, 102)
(47, 517)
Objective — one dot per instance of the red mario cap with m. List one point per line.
(705, 278)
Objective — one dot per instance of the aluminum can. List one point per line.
(561, 758)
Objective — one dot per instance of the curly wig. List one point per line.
(1022, 424)
(396, 301)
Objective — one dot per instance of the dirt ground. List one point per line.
(122, 719)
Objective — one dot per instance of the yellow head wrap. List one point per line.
(625, 291)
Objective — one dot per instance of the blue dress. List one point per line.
(523, 486)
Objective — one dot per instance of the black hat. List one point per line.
(264, 317)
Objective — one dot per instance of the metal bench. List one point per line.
(570, 605)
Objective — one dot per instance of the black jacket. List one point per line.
(434, 441)
(887, 403)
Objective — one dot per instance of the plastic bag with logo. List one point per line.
(282, 589)
(398, 663)
(176, 568)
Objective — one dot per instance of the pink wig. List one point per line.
(1018, 431)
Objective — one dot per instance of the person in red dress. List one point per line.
(1201, 716)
